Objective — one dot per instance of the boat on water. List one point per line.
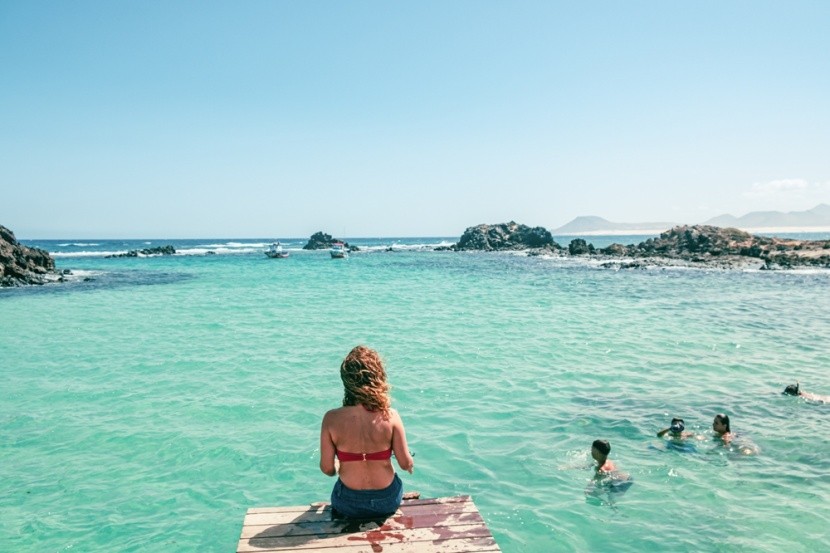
(275, 251)
(339, 251)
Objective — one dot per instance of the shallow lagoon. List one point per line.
(149, 408)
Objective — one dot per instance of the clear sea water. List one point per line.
(147, 408)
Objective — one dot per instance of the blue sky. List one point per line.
(259, 119)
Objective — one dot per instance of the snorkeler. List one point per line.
(676, 437)
(599, 451)
(795, 390)
(677, 430)
(792, 390)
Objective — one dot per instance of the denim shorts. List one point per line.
(366, 503)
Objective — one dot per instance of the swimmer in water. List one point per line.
(677, 437)
(676, 430)
(792, 390)
(795, 390)
(735, 442)
(599, 451)
(607, 479)
(720, 426)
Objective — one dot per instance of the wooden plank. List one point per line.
(402, 522)
(374, 538)
(462, 545)
(295, 509)
(449, 524)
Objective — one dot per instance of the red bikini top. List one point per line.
(345, 456)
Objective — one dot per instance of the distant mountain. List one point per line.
(819, 216)
(589, 224)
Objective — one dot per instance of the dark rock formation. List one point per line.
(319, 241)
(505, 236)
(21, 265)
(703, 243)
(698, 245)
(578, 246)
(159, 250)
(723, 247)
(322, 241)
(700, 239)
(617, 250)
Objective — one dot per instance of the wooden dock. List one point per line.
(447, 524)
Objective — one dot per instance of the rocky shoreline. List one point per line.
(688, 246)
(21, 265)
(702, 246)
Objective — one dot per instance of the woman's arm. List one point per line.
(399, 445)
(663, 432)
(327, 449)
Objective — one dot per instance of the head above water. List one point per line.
(602, 446)
(364, 380)
(677, 426)
(792, 390)
(721, 419)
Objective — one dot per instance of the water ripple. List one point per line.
(150, 417)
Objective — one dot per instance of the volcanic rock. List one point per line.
(505, 236)
(159, 250)
(578, 246)
(322, 241)
(21, 265)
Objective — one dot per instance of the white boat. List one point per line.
(339, 251)
(275, 251)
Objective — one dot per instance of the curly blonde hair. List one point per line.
(364, 380)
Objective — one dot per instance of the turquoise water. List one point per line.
(147, 409)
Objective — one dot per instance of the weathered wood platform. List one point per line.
(447, 524)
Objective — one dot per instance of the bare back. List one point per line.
(354, 429)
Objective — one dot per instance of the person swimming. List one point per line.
(677, 430)
(607, 479)
(677, 438)
(599, 451)
(720, 426)
(795, 390)
(792, 390)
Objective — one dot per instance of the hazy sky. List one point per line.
(281, 118)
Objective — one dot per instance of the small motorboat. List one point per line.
(275, 251)
(339, 251)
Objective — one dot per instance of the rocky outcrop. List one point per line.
(709, 245)
(159, 250)
(322, 241)
(578, 246)
(701, 245)
(505, 236)
(688, 241)
(21, 265)
(618, 250)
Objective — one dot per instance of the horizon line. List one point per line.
(611, 232)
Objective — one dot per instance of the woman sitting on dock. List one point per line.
(357, 441)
